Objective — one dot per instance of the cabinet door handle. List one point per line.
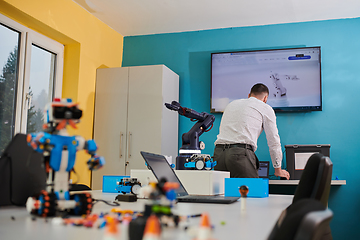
(129, 145)
(120, 149)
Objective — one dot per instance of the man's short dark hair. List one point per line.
(258, 89)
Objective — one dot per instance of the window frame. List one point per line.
(26, 39)
(7, 22)
(52, 46)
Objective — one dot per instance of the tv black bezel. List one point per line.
(276, 109)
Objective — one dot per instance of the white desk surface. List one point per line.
(256, 223)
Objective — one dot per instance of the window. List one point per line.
(8, 82)
(31, 68)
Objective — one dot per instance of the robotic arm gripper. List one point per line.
(190, 140)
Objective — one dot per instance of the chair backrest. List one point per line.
(315, 225)
(306, 219)
(22, 172)
(315, 181)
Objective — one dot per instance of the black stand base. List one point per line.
(180, 162)
(126, 198)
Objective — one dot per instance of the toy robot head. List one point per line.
(62, 112)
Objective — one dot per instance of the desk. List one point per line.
(256, 223)
(289, 186)
(296, 182)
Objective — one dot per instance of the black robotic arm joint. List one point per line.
(190, 140)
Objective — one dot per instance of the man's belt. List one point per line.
(241, 145)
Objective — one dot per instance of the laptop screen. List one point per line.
(161, 169)
(263, 170)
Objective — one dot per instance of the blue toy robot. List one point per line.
(200, 162)
(128, 185)
(59, 150)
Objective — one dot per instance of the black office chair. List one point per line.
(306, 219)
(315, 181)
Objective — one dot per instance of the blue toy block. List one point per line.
(258, 187)
(110, 183)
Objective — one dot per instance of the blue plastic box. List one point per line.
(110, 183)
(258, 187)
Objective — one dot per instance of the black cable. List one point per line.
(114, 204)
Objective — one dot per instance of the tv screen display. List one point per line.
(292, 75)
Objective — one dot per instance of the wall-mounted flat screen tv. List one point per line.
(293, 76)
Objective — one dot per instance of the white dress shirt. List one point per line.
(243, 121)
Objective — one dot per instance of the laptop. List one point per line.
(161, 169)
(263, 170)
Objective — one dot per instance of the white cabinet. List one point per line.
(130, 116)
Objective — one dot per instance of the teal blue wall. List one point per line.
(188, 54)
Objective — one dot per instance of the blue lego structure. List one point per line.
(59, 150)
(128, 185)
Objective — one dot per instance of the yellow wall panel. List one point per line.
(89, 44)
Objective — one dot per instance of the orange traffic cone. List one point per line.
(205, 231)
(152, 229)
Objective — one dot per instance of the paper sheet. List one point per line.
(301, 159)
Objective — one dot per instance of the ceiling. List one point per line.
(143, 17)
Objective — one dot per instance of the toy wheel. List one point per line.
(47, 204)
(83, 204)
(200, 164)
(135, 189)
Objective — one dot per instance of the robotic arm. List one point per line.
(280, 89)
(187, 112)
(190, 140)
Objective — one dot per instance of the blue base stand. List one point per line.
(258, 187)
(110, 183)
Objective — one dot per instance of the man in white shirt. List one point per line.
(241, 125)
